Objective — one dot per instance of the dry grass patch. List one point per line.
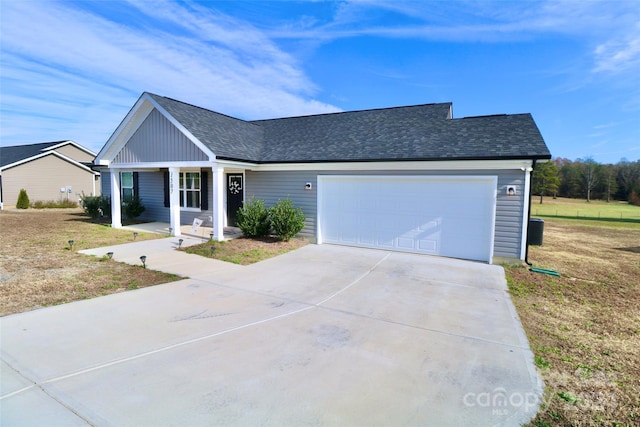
(38, 268)
(245, 251)
(584, 327)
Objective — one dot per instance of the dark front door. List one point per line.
(235, 196)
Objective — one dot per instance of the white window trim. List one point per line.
(180, 189)
(122, 187)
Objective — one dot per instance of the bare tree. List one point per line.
(589, 175)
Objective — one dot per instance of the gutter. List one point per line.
(526, 251)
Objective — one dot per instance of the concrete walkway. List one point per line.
(323, 335)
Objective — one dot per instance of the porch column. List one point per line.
(218, 202)
(174, 200)
(116, 214)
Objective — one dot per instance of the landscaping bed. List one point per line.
(245, 251)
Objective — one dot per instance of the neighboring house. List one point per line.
(47, 171)
(409, 179)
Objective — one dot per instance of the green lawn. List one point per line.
(581, 209)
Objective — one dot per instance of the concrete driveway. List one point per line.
(324, 335)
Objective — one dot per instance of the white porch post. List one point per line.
(116, 214)
(174, 200)
(218, 202)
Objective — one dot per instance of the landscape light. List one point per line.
(110, 255)
(180, 243)
(211, 236)
(135, 234)
(170, 231)
(212, 249)
(71, 244)
(143, 258)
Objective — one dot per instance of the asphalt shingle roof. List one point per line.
(16, 153)
(420, 132)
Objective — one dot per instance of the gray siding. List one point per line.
(151, 190)
(271, 186)
(157, 140)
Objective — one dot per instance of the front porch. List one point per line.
(204, 233)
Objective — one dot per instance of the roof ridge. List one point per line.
(354, 111)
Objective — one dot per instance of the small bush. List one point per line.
(133, 208)
(23, 200)
(52, 204)
(286, 219)
(253, 219)
(91, 205)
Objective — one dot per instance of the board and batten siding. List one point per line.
(158, 140)
(271, 186)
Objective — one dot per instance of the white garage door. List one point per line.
(438, 215)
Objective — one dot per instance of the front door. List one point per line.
(235, 196)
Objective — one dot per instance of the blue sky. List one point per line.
(73, 69)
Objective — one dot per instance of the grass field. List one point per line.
(584, 326)
(578, 208)
(39, 268)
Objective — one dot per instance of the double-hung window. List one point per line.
(126, 184)
(190, 190)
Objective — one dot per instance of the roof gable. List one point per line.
(17, 154)
(158, 140)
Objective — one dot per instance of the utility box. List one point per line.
(536, 230)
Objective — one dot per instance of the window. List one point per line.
(190, 190)
(126, 184)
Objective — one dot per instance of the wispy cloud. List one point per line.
(59, 59)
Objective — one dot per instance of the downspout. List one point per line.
(526, 250)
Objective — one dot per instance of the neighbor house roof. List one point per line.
(419, 132)
(16, 154)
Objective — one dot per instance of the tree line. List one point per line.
(588, 179)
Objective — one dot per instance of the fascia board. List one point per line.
(70, 142)
(398, 165)
(49, 153)
(184, 130)
(157, 165)
(132, 121)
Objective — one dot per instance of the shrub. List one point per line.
(634, 199)
(133, 208)
(253, 219)
(52, 204)
(23, 200)
(286, 219)
(91, 205)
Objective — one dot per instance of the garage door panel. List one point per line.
(449, 216)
